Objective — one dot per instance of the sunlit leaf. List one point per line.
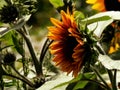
(7, 38)
(66, 83)
(57, 3)
(3, 30)
(101, 25)
(109, 63)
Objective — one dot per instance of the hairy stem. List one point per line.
(32, 52)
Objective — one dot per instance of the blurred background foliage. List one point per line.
(41, 18)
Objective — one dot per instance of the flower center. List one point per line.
(112, 5)
(69, 47)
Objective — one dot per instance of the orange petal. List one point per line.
(59, 50)
(66, 19)
(56, 44)
(56, 22)
(55, 37)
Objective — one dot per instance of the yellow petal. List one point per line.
(91, 1)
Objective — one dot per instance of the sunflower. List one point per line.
(105, 5)
(68, 45)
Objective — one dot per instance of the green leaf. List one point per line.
(18, 25)
(78, 79)
(89, 75)
(9, 84)
(57, 3)
(18, 45)
(79, 15)
(83, 82)
(97, 19)
(80, 85)
(7, 38)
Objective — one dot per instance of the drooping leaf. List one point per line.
(102, 24)
(109, 63)
(57, 3)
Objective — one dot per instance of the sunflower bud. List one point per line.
(8, 13)
(9, 58)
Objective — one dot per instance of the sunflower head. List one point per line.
(68, 46)
(9, 13)
(9, 58)
(105, 5)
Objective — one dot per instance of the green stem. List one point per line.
(32, 52)
(94, 81)
(44, 50)
(25, 65)
(111, 76)
(114, 80)
(23, 80)
(1, 84)
(22, 76)
(24, 71)
(98, 74)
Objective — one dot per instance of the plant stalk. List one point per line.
(32, 53)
